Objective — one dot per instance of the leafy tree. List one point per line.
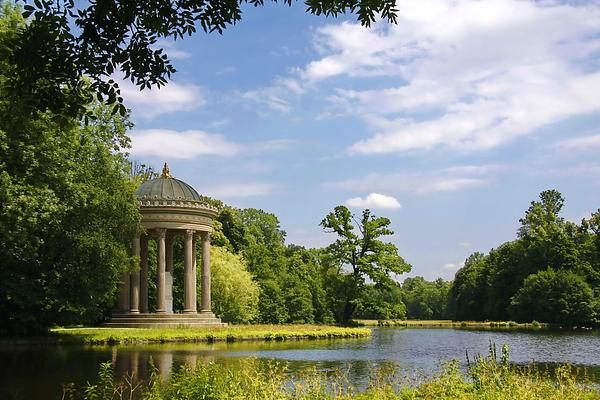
(561, 297)
(424, 299)
(381, 303)
(588, 244)
(263, 244)
(235, 294)
(366, 256)
(67, 40)
(272, 306)
(507, 267)
(551, 272)
(469, 291)
(233, 228)
(67, 208)
(141, 173)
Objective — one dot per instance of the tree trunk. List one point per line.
(349, 309)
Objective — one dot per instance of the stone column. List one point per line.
(169, 274)
(123, 301)
(189, 306)
(169, 253)
(144, 274)
(160, 273)
(194, 273)
(135, 279)
(206, 306)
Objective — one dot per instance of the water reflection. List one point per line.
(37, 372)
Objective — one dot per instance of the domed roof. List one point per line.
(167, 188)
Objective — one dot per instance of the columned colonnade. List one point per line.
(133, 294)
(170, 209)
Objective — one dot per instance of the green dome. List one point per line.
(167, 188)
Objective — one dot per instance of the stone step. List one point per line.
(163, 325)
(163, 315)
(151, 320)
(169, 321)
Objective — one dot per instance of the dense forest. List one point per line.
(550, 273)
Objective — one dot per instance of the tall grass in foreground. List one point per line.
(485, 378)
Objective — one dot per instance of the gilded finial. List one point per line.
(165, 172)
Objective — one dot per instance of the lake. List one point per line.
(37, 371)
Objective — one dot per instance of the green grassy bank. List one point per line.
(485, 379)
(231, 333)
(450, 324)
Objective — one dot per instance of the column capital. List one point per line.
(189, 232)
(162, 233)
(205, 235)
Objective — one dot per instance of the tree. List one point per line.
(560, 297)
(67, 207)
(235, 293)
(366, 256)
(469, 291)
(550, 273)
(272, 306)
(506, 268)
(67, 40)
(381, 303)
(424, 299)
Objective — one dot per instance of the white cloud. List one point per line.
(149, 103)
(183, 145)
(580, 144)
(271, 96)
(374, 200)
(444, 180)
(454, 266)
(275, 96)
(171, 49)
(241, 190)
(475, 74)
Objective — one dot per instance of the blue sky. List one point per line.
(448, 123)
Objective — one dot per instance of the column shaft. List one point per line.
(169, 274)
(169, 253)
(160, 273)
(144, 274)
(189, 306)
(206, 306)
(135, 279)
(194, 274)
(124, 286)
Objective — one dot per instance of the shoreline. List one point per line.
(449, 324)
(234, 333)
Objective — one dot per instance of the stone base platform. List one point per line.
(200, 320)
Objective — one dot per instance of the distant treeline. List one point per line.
(550, 273)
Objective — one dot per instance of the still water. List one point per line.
(37, 372)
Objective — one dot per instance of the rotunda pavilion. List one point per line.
(170, 208)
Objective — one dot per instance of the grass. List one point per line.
(486, 378)
(450, 324)
(230, 334)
